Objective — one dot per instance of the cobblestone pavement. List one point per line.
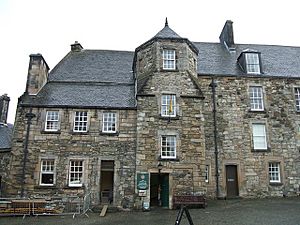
(281, 211)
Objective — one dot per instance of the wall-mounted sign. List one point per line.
(142, 181)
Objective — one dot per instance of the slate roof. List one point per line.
(89, 78)
(167, 32)
(277, 61)
(5, 137)
(104, 78)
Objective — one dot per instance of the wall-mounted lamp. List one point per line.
(159, 166)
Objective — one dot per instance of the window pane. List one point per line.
(274, 172)
(259, 136)
(80, 122)
(76, 173)
(256, 98)
(169, 59)
(252, 63)
(168, 105)
(297, 98)
(47, 172)
(109, 122)
(168, 147)
(52, 121)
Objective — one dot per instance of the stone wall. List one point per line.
(186, 172)
(92, 147)
(234, 120)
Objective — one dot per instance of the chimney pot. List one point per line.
(4, 103)
(76, 47)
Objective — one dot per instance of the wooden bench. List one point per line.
(189, 200)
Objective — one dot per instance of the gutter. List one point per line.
(29, 117)
(213, 86)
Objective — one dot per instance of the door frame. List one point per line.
(237, 178)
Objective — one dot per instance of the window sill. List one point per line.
(261, 150)
(257, 111)
(169, 70)
(168, 159)
(109, 133)
(79, 133)
(50, 132)
(275, 184)
(73, 187)
(169, 117)
(45, 187)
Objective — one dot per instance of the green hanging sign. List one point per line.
(142, 181)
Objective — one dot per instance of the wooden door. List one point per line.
(232, 181)
(165, 190)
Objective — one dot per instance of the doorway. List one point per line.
(107, 181)
(159, 189)
(232, 181)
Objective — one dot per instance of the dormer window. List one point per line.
(169, 59)
(250, 61)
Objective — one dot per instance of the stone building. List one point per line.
(173, 117)
(5, 142)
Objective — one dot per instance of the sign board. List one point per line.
(142, 181)
(142, 193)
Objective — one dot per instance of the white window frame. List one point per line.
(109, 122)
(297, 98)
(274, 172)
(168, 105)
(169, 59)
(80, 121)
(168, 147)
(207, 173)
(252, 63)
(52, 120)
(260, 137)
(75, 172)
(256, 95)
(47, 168)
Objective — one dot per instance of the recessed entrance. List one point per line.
(232, 181)
(159, 189)
(107, 181)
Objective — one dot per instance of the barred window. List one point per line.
(169, 61)
(168, 147)
(47, 172)
(80, 122)
(76, 173)
(52, 121)
(109, 122)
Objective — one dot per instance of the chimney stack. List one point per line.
(226, 36)
(37, 74)
(4, 103)
(76, 47)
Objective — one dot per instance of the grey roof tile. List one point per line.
(277, 61)
(70, 94)
(167, 32)
(103, 78)
(5, 137)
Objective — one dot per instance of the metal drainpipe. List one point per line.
(213, 86)
(29, 117)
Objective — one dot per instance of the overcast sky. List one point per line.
(50, 26)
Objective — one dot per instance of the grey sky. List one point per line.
(50, 26)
